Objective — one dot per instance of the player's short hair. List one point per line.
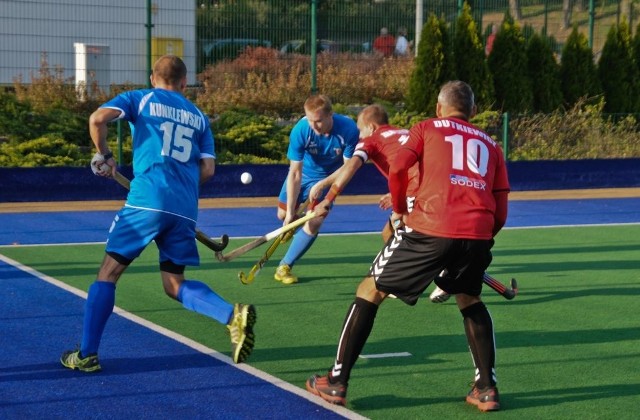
(171, 69)
(316, 103)
(458, 95)
(374, 114)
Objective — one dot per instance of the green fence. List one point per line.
(226, 27)
(213, 35)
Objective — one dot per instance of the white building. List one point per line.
(93, 41)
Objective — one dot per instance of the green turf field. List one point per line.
(568, 344)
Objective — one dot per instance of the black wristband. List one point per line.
(107, 156)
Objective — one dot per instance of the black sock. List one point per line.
(479, 329)
(355, 331)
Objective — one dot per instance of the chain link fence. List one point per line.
(123, 37)
(104, 46)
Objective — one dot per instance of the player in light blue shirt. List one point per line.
(173, 153)
(319, 144)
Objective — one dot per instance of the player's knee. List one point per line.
(171, 267)
(464, 301)
(367, 290)
(171, 291)
(113, 266)
(312, 227)
(172, 277)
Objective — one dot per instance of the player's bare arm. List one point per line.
(98, 131)
(385, 201)
(207, 169)
(338, 179)
(294, 180)
(501, 210)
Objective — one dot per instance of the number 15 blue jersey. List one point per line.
(170, 136)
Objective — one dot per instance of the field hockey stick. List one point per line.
(265, 238)
(248, 279)
(200, 236)
(507, 293)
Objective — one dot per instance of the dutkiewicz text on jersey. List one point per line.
(464, 128)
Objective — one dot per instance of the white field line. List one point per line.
(349, 233)
(386, 355)
(193, 344)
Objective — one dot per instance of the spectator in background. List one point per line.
(385, 44)
(402, 44)
(492, 36)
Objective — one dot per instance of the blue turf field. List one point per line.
(154, 377)
(92, 226)
(157, 375)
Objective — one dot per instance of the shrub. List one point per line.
(49, 150)
(49, 90)
(242, 136)
(267, 82)
(583, 132)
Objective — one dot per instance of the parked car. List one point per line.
(300, 46)
(228, 48)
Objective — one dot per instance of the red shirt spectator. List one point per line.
(492, 36)
(385, 44)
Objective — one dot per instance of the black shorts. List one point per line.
(410, 261)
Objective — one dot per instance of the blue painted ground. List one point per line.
(153, 377)
(92, 226)
(156, 376)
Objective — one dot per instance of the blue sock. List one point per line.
(98, 308)
(300, 244)
(198, 297)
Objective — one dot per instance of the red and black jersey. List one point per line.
(381, 148)
(461, 169)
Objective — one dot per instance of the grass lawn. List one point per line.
(568, 344)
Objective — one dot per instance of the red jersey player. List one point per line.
(379, 143)
(461, 204)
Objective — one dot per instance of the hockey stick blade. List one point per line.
(501, 289)
(248, 279)
(265, 238)
(210, 243)
(200, 236)
(512, 292)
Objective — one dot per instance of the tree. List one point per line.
(635, 56)
(508, 65)
(544, 69)
(620, 85)
(433, 67)
(578, 73)
(469, 58)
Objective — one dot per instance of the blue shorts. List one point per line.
(305, 188)
(133, 229)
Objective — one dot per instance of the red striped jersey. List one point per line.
(461, 168)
